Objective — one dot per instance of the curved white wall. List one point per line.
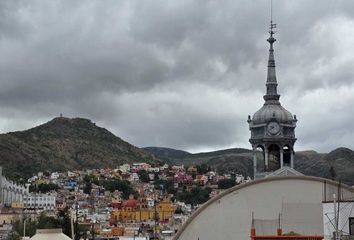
(229, 216)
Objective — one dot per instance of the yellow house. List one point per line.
(165, 209)
(192, 169)
(17, 205)
(133, 210)
(41, 181)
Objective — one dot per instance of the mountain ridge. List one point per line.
(239, 160)
(76, 143)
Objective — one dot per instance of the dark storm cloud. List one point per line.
(181, 74)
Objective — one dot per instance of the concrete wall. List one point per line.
(229, 215)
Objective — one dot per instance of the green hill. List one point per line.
(65, 144)
(68, 144)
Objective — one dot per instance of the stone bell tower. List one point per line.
(272, 128)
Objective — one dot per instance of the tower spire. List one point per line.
(271, 84)
(272, 126)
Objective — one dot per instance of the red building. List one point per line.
(280, 236)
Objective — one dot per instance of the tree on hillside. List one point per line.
(196, 196)
(91, 179)
(203, 168)
(120, 185)
(165, 185)
(64, 220)
(44, 187)
(226, 183)
(332, 173)
(88, 187)
(144, 176)
(88, 181)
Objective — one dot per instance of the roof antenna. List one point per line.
(272, 25)
(271, 10)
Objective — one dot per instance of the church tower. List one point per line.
(272, 127)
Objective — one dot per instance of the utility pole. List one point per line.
(24, 227)
(35, 198)
(336, 233)
(77, 222)
(93, 229)
(155, 215)
(72, 224)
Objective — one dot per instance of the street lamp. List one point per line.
(77, 221)
(93, 229)
(24, 227)
(156, 217)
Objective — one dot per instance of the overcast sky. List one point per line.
(178, 73)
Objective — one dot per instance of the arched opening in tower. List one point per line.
(273, 157)
(260, 156)
(287, 155)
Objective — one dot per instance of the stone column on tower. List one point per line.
(281, 158)
(292, 159)
(254, 162)
(266, 162)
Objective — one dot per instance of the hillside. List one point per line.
(63, 144)
(235, 159)
(66, 144)
(168, 155)
(240, 161)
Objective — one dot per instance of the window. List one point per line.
(351, 226)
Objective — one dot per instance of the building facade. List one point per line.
(272, 127)
(11, 192)
(141, 211)
(40, 202)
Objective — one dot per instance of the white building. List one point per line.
(178, 168)
(40, 175)
(71, 174)
(54, 175)
(153, 169)
(239, 178)
(11, 192)
(32, 179)
(344, 219)
(40, 202)
(124, 168)
(134, 177)
(140, 166)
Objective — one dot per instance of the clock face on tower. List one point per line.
(273, 128)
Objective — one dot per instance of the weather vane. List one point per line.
(272, 25)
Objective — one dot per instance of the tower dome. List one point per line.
(131, 202)
(272, 112)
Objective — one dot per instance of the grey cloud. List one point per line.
(182, 74)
